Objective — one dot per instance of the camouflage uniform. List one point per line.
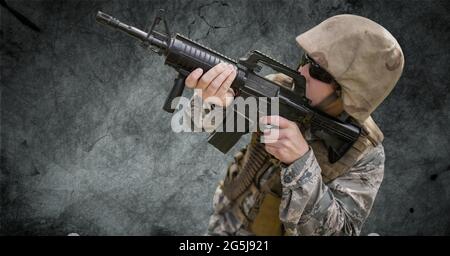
(316, 197)
(309, 206)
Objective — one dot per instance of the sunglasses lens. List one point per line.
(320, 74)
(315, 71)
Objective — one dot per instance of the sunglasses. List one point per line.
(315, 71)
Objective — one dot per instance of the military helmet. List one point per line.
(361, 55)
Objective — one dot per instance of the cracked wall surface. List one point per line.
(86, 147)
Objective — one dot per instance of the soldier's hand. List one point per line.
(214, 84)
(285, 142)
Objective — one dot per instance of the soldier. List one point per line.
(350, 65)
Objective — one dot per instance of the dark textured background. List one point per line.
(86, 148)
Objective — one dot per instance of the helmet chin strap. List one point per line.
(332, 105)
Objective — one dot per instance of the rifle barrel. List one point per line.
(155, 39)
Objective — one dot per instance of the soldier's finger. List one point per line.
(215, 84)
(229, 97)
(275, 131)
(192, 79)
(227, 83)
(271, 136)
(207, 78)
(278, 121)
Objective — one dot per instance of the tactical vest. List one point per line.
(244, 176)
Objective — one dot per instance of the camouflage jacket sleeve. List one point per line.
(310, 207)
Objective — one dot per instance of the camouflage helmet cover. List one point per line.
(363, 57)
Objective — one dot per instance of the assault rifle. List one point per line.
(185, 55)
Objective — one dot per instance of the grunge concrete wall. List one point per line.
(86, 147)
